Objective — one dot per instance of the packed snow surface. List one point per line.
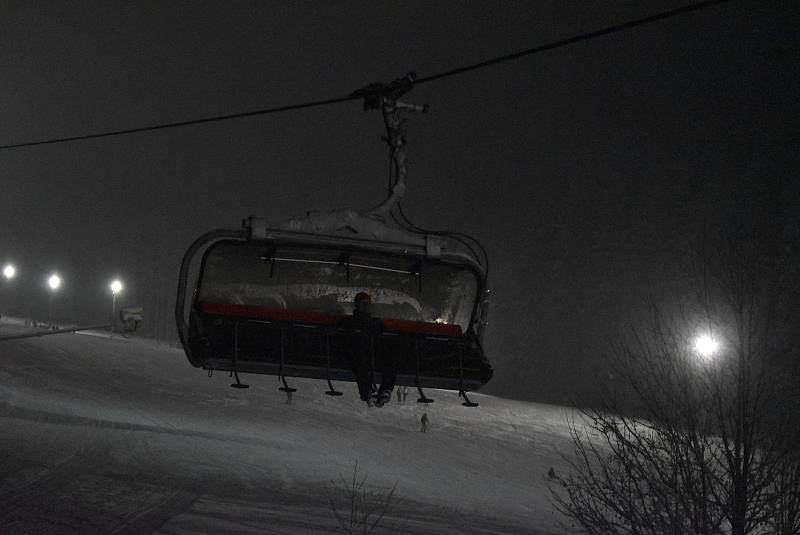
(106, 434)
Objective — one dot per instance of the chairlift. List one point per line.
(269, 298)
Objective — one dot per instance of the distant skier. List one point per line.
(425, 422)
(405, 392)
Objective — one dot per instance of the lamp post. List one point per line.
(54, 282)
(9, 272)
(706, 346)
(116, 287)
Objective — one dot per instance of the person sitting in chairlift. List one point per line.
(363, 353)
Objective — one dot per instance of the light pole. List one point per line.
(706, 346)
(9, 272)
(54, 282)
(116, 287)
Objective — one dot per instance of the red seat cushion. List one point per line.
(319, 318)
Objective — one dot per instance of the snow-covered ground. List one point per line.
(106, 434)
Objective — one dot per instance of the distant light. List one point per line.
(54, 282)
(9, 271)
(116, 287)
(706, 345)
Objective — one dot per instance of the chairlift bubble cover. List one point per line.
(279, 306)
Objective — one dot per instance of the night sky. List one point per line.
(587, 171)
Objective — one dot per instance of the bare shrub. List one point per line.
(359, 509)
(693, 444)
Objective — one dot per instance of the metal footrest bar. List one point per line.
(461, 392)
(234, 373)
(285, 387)
(331, 391)
(422, 397)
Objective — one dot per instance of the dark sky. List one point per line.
(587, 171)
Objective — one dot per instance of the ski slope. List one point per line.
(119, 435)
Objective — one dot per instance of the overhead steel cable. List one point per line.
(578, 38)
(541, 48)
(183, 123)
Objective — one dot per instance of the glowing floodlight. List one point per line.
(706, 345)
(9, 271)
(116, 287)
(54, 282)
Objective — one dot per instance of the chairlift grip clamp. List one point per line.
(257, 227)
(433, 247)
